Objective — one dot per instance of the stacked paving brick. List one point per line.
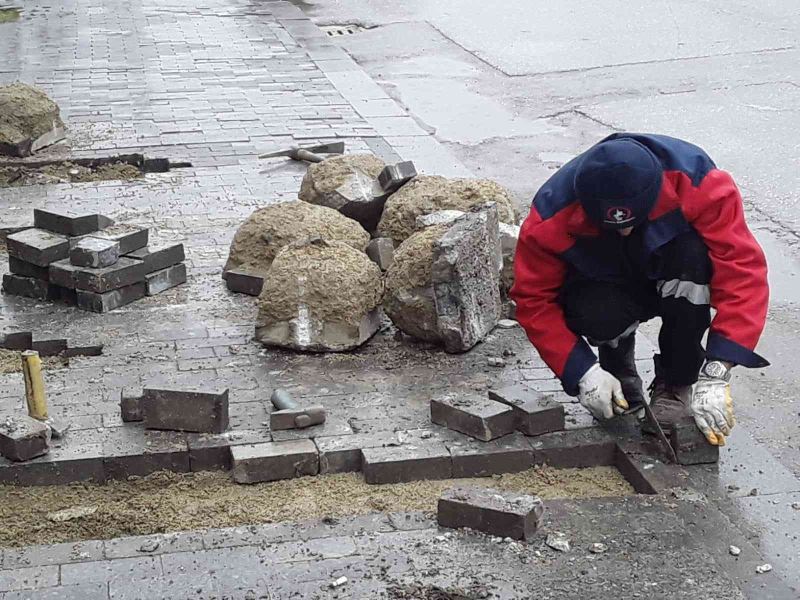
(90, 262)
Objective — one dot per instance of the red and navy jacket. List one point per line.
(694, 195)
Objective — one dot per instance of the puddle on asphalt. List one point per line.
(9, 15)
(169, 502)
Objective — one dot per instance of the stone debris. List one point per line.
(23, 438)
(734, 550)
(558, 541)
(440, 217)
(264, 233)
(338, 582)
(58, 427)
(71, 514)
(598, 548)
(765, 568)
(29, 120)
(320, 296)
(510, 515)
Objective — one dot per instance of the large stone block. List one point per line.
(535, 414)
(94, 252)
(37, 246)
(320, 296)
(23, 438)
(185, 410)
(465, 278)
(165, 279)
(500, 513)
(272, 461)
(408, 462)
(68, 223)
(473, 414)
(29, 120)
(101, 303)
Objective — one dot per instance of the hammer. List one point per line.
(291, 416)
(308, 153)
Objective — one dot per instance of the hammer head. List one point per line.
(329, 148)
(297, 418)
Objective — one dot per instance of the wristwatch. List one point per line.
(716, 370)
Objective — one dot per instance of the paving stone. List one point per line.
(131, 570)
(28, 578)
(535, 414)
(28, 287)
(125, 272)
(112, 300)
(509, 454)
(271, 461)
(185, 410)
(165, 279)
(69, 224)
(501, 513)
(244, 283)
(575, 449)
(37, 246)
(21, 340)
(156, 259)
(130, 404)
(152, 545)
(473, 414)
(381, 252)
(23, 438)
(132, 450)
(691, 446)
(130, 237)
(466, 279)
(410, 462)
(26, 269)
(71, 459)
(342, 453)
(94, 252)
(49, 347)
(82, 591)
(95, 350)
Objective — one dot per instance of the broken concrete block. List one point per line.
(320, 296)
(244, 283)
(508, 454)
(130, 405)
(501, 513)
(112, 300)
(30, 120)
(94, 252)
(296, 418)
(183, 410)
(535, 414)
(691, 446)
(68, 223)
(21, 340)
(342, 453)
(129, 237)
(393, 177)
(156, 259)
(27, 287)
(473, 414)
(126, 272)
(165, 279)
(23, 438)
(410, 462)
(271, 461)
(26, 269)
(440, 217)
(37, 246)
(465, 279)
(381, 252)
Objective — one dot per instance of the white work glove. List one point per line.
(712, 407)
(601, 393)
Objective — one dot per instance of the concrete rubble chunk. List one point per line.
(535, 414)
(244, 283)
(264, 233)
(185, 410)
(381, 252)
(37, 246)
(501, 513)
(156, 259)
(320, 296)
(272, 461)
(23, 438)
(407, 462)
(473, 414)
(29, 120)
(94, 252)
(690, 445)
(165, 279)
(68, 223)
(465, 279)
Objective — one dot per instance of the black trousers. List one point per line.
(601, 310)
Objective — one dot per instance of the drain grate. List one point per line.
(340, 30)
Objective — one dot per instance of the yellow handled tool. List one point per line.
(34, 385)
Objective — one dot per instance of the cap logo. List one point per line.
(619, 215)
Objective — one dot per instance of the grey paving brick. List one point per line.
(68, 223)
(94, 252)
(272, 461)
(37, 246)
(130, 405)
(332, 426)
(130, 237)
(28, 578)
(130, 570)
(108, 301)
(509, 454)
(504, 514)
(123, 273)
(576, 448)
(165, 279)
(410, 462)
(244, 283)
(132, 450)
(52, 554)
(473, 414)
(535, 414)
(26, 269)
(186, 410)
(28, 287)
(23, 438)
(84, 591)
(691, 446)
(20, 340)
(342, 453)
(156, 259)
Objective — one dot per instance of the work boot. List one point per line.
(620, 362)
(670, 403)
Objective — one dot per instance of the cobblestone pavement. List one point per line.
(217, 84)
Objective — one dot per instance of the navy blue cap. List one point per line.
(617, 183)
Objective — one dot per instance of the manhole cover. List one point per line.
(340, 30)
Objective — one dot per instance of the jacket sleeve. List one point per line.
(538, 277)
(739, 288)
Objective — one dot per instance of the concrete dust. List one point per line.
(169, 502)
(11, 361)
(66, 172)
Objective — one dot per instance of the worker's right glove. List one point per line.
(601, 393)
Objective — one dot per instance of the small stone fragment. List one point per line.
(149, 546)
(494, 361)
(558, 541)
(71, 514)
(58, 427)
(765, 568)
(339, 582)
(735, 550)
(598, 548)
(796, 505)
(94, 252)
(507, 324)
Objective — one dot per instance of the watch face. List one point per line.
(715, 369)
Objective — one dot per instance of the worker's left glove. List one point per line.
(712, 407)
